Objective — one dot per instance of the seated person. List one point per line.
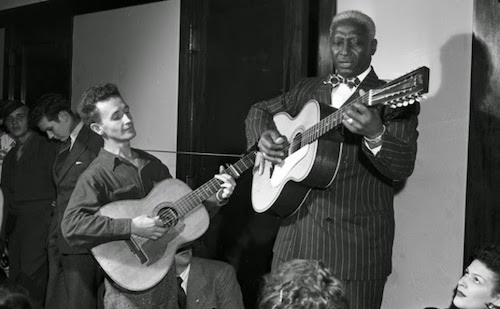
(209, 283)
(302, 284)
(479, 287)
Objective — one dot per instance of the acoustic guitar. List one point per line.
(312, 158)
(139, 263)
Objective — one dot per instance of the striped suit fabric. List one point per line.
(350, 224)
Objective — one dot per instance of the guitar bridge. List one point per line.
(136, 250)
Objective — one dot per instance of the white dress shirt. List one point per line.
(343, 92)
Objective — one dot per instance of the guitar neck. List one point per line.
(198, 196)
(327, 124)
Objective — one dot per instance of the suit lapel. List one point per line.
(323, 93)
(371, 81)
(196, 285)
(78, 148)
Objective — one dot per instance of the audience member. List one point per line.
(29, 195)
(74, 276)
(14, 297)
(206, 283)
(304, 284)
(479, 287)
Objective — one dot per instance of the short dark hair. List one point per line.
(302, 284)
(49, 105)
(489, 255)
(13, 296)
(87, 107)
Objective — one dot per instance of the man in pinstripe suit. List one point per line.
(350, 224)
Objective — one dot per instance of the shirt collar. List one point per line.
(75, 132)
(185, 276)
(363, 75)
(112, 160)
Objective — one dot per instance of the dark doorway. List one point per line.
(236, 59)
(235, 53)
(38, 57)
(483, 177)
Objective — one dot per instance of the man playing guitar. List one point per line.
(349, 224)
(121, 173)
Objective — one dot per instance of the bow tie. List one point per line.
(335, 80)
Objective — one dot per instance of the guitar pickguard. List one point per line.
(282, 171)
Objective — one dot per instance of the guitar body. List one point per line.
(313, 153)
(117, 258)
(282, 189)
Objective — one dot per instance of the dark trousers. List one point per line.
(82, 278)
(366, 294)
(28, 252)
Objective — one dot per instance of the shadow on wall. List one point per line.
(483, 161)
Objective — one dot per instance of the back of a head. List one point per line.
(305, 284)
(356, 17)
(14, 297)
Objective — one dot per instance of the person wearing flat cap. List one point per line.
(29, 193)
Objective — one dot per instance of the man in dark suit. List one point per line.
(29, 196)
(209, 283)
(349, 225)
(74, 277)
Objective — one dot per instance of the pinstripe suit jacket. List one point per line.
(349, 225)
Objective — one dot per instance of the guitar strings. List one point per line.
(196, 197)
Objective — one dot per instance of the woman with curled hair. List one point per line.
(479, 287)
(305, 284)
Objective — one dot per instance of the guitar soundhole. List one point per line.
(169, 216)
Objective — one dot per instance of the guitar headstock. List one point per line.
(402, 91)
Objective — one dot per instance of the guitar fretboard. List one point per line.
(327, 124)
(188, 202)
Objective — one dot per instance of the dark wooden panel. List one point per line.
(483, 176)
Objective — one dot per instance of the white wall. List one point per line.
(136, 48)
(428, 248)
(9, 4)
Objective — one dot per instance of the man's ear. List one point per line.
(373, 46)
(96, 128)
(62, 116)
